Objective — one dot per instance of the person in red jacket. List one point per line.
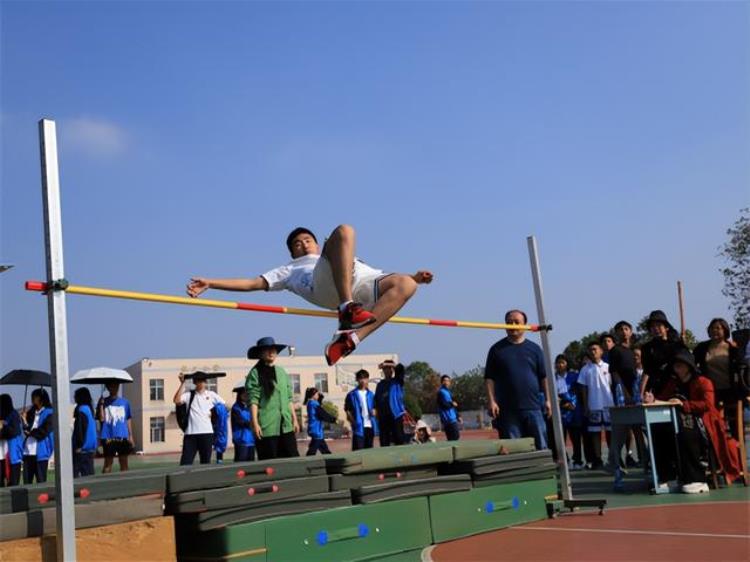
(694, 394)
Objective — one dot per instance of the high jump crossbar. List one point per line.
(41, 286)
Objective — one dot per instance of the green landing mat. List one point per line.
(349, 481)
(93, 514)
(208, 520)
(88, 489)
(499, 464)
(548, 470)
(485, 509)
(488, 447)
(411, 488)
(362, 532)
(256, 493)
(389, 458)
(201, 478)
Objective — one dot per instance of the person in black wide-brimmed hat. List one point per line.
(659, 352)
(275, 423)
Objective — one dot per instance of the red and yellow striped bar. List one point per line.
(41, 286)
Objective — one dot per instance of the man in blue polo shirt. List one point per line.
(515, 381)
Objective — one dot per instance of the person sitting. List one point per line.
(694, 396)
(423, 434)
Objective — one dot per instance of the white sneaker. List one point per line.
(695, 488)
(577, 466)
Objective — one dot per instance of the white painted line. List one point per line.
(427, 553)
(630, 532)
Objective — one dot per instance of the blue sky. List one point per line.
(194, 136)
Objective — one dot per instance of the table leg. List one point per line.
(654, 477)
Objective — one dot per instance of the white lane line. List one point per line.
(427, 553)
(630, 532)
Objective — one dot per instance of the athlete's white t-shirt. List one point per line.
(199, 418)
(366, 422)
(296, 276)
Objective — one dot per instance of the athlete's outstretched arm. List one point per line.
(198, 285)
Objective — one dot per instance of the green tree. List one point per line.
(575, 350)
(412, 406)
(736, 254)
(422, 382)
(331, 408)
(469, 391)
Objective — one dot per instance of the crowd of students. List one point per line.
(263, 418)
(27, 439)
(705, 386)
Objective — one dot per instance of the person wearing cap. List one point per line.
(422, 434)
(243, 438)
(694, 396)
(389, 401)
(359, 406)
(335, 279)
(116, 433)
(268, 386)
(199, 435)
(659, 352)
(316, 416)
(515, 382)
(447, 407)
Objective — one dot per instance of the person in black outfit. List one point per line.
(622, 369)
(659, 352)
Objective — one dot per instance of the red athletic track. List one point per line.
(711, 532)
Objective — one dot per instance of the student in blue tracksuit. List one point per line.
(11, 442)
(389, 401)
(242, 427)
(39, 443)
(84, 434)
(219, 419)
(316, 415)
(360, 409)
(447, 408)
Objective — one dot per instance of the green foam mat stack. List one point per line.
(377, 504)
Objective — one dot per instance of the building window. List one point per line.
(156, 389)
(321, 382)
(295, 383)
(157, 430)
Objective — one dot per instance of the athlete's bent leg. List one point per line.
(395, 291)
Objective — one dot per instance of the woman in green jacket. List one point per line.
(270, 390)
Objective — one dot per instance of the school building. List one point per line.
(155, 382)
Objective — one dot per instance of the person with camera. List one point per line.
(194, 416)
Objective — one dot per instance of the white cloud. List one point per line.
(94, 137)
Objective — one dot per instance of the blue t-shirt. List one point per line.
(116, 416)
(518, 373)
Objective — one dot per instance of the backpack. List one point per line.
(183, 412)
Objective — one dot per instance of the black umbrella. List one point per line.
(27, 378)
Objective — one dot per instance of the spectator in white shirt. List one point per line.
(596, 387)
(198, 437)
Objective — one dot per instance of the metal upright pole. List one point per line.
(58, 344)
(567, 494)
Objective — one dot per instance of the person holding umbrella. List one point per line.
(39, 443)
(117, 427)
(11, 442)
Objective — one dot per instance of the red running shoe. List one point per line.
(341, 346)
(354, 316)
